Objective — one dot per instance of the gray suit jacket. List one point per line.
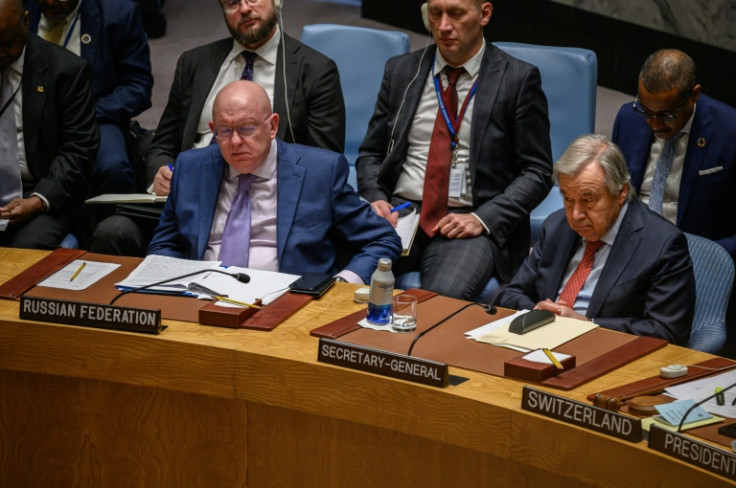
(510, 150)
(316, 104)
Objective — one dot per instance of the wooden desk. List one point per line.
(204, 406)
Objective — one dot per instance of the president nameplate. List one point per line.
(384, 363)
(91, 314)
(694, 452)
(581, 414)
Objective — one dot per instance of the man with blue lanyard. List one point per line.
(109, 34)
(461, 131)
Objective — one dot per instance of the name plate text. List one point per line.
(384, 363)
(581, 414)
(693, 452)
(91, 314)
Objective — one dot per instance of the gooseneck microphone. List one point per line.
(489, 309)
(720, 392)
(241, 277)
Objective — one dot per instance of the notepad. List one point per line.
(406, 227)
(127, 198)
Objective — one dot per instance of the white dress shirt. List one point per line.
(71, 36)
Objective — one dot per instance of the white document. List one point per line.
(406, 227)
(127, 198)
(92, 272)
(549, 336)
(539, 356)
(266, 285)
(700, 389)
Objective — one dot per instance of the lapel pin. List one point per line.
(39, 89)
(86, 38)
(701, 142)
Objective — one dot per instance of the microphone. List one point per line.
(241, 277)
(489, 309)
(682, 420)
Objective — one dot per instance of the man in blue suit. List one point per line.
(301, 211)
(606, 257)
(109, 34)
(700, 184)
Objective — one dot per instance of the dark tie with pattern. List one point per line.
(662, 172)
(248, 70)
(437, 175)
(235, 247)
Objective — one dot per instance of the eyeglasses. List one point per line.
(244, 131)
(230, 6)
(661, 116)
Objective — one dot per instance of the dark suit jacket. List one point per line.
(59, 128)
(646, 288)
(315, 99)
(318, 213)
(707, 202)
(510, 152)
(118, 53)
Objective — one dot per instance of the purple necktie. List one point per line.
(235, 245)
(248, 70)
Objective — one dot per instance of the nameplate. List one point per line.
(384, 363)
(700, 454)
(91, 315)
(581, 414)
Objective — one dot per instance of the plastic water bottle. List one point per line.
(382, 291)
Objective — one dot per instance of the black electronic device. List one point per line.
(531, 320)
(728, 430)
(315, 284)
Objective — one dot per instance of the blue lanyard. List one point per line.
(452, 128)
(71, 29)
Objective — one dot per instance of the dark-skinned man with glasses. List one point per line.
(302, 85)
(680, 146)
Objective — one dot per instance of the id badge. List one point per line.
(457, 181)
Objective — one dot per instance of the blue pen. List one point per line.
(171, 167)
(400, 207)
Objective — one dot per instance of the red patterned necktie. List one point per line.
(437, 175)
(577, 280)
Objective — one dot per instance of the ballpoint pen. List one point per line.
(400, 207)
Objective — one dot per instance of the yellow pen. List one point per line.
(235, 302)
(79, 270)
(552, 358)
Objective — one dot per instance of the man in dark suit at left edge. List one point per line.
(48, 134)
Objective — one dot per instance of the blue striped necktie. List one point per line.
(662, 172)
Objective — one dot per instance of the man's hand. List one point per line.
(21, 209)
(383, 209)
(560, 308)
(162, 181)
(459, 226)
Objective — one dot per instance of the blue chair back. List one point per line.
(714, 275)
(569, 81)
(360, 54)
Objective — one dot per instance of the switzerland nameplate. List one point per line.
(693, 452)
(581, 414)
(384, 363)
(91, 314)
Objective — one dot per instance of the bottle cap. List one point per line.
(384, 264)
(361, 295)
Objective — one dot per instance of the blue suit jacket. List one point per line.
(646, 288)
(318, 213)
(707, 202)
(118, 53)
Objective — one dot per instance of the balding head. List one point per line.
(666, 69)
(244, 125)
(13, 31)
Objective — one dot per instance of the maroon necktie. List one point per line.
(577, 279)
(437, 175)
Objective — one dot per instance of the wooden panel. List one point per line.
(64, 432)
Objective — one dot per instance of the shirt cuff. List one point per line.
(350, 277)
(43, 199)
(485, 229)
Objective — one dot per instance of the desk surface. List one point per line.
(201, 405)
